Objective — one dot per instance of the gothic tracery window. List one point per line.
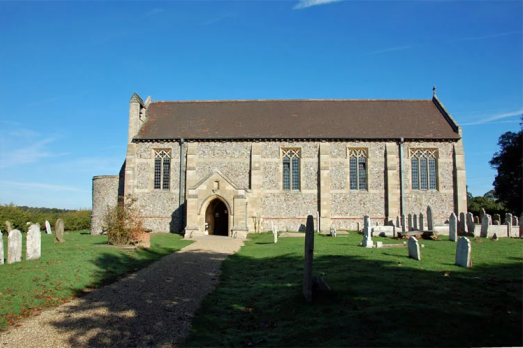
(162, 169)
(291, 169)
(424, 164)
(358, 169)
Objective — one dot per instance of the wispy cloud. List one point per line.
(391, 49)
(216, 19)
(490, 36)
(309, 3)
(492, 118)
(14, 156)
(153, 12)
(39, 186)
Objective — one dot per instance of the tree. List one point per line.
(509, 164)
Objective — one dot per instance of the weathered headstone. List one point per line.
(309, 253)
(482, 213)
(463, 223)
(8, 226)
(333, 231)
(496, 222)
(410, 222)
(414, 250)
(471, 226)
(398, 221)
(508, 222)
(34, 243)
(476, 220)
(496, 217)
(463, 251)
(367, 238)
(489, 219)
(1, 248)
(415, 222)
(430, 219)
(515, 221)
(403, 227)
(484, 226)
(14, 246)
(48, 229)
(453, 228)
(59, 231)
(421, 222)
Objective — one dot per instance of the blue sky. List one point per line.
(68, 70)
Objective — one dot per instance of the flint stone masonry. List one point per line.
(367, 238)
(453, 228)
(463, 252)
(34, 243)
(14, 246)
(48, 229)
(414, 249)
(59, 231)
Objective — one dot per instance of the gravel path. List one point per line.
(153, 307)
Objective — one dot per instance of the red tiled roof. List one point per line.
(298, 119)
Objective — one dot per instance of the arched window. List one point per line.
(358, 169)
(162, 169)
(291, 169)
(423, 163)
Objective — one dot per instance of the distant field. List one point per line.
(380, 296)
(70, 269)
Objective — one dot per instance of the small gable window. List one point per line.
(358, 169)
(424, 165)
(291, 169)
(162, 169)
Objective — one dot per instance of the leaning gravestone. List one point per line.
(482, 213)
(59, 231)
(484, 226)
(471, 226)
(8, 226)
(430, 219)
(367, 238)
(48, 229)
(453, 228)
(1, 248)
(309, 253)
(421, 222)
(414, 250)
(463, 251)
(34, 243)
(14, 246)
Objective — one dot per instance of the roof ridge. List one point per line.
(288, 100)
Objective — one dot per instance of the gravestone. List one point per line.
(484, 226)
(358, 226)
(414, 250)
(463, 223)
(453, 228)
(421, 222)
(471, 226)
(14, 246)
(508, 222)
(415, 222)
(410, 222)
(48, 229)
(333, 231)
(515, 221)
(8, 226)
(309, 253)
(496, 222)
(403, 227)
(1, 248)
(367, 238)
(430, 219)
(463, 251)
(495, 237)
(34, 243)
(497, 217)
(482, 213)
(59, 231)
(489, 219)
(398, 221)
(476, 220)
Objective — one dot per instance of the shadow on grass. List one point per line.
(259, 303)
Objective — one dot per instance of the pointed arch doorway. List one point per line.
(217, 218)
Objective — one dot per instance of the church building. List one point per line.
(238, 166)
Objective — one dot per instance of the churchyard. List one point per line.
(379, 297)
(69, 269)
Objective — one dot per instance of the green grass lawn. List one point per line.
(70, 269)
(380, 297)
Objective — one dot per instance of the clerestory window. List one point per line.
(291, 169)
(358, 169)
(424, 165)
(162, 169)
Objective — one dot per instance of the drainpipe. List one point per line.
(181, 186)
(401, 177)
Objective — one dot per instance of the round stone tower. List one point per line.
(105, 197)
